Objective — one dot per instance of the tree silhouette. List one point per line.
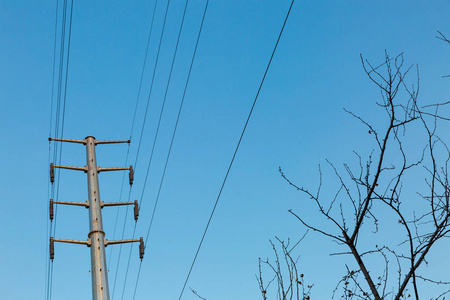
(382, 194)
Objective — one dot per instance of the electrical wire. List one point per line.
(152, 81)
(47, 258)
(128, 152)
(145, 116)
(118, 208)
(142, 131)
(176, 123)
(143, 68)
(58, 103)
(64, 106)
(120, 248)
(128, 264)
(53, 70)
(173, 136)
(157, 131)
(164, 100)
(52, 230)
(235, 151)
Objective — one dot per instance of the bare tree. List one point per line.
(376, 192)
(290, 283)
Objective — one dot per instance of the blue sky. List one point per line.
(298, 122)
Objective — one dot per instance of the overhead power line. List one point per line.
(128, 151)
(64, 104)
(174, 133)
(152, 81)
(49, 187)
(143, 67)
(235, 151)
(144, 122)
(59, 120)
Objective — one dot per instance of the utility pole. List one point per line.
(96, 237)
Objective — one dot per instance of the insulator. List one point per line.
(141, 248)
(131, 175)
(52, 249)
(136, 210)
(51, 210)
(52, 173)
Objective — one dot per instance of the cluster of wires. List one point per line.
(155, 138)
(59, 130)
(173, 136)
(57, 115)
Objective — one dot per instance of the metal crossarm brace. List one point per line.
(84, 142)
(85, 204)
(52, 244)
(111, 142)
(87, 243)
(140, 241)
(84, 169)
(115, 203)
(121, 242)
(112, 169)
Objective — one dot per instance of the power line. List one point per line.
(164, 100)
(143, 67)
(119, 200)
(142, 131)
(55, 149)
(64, 105)
(52, 229)
(47, 260)
(173, 135)
(235, 151)
(145, 116)
(53, 68)
(128, 152)
(176, 124)
(152, 81)
(156, 134)
(128, 264)
(120, 249)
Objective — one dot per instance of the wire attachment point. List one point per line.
(131, 175)
(51, 214)
(52, 173)
(136, 210)
(141, 248)
(52, 249)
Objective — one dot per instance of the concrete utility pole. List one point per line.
(96, 237)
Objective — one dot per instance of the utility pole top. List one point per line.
(96, 236)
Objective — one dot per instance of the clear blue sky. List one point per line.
(298, 122)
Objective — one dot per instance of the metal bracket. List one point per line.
(120, 242)
(84, 169)
(141, 244)
(84, 141)
(85, 204)
(52, 244)
(87, 243)
(135, 203)
(102, 204)
(110, 169)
